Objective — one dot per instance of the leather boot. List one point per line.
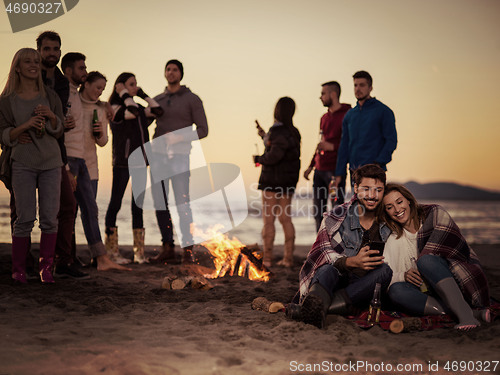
(20, 248)
(339, 304)
(111, 243)
(167, 255)
(46, 262)
(188, 256)
(139, 246)
(315, 306)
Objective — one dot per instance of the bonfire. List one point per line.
(232, 258)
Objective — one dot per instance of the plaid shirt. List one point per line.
(328, 246)
(439, 235)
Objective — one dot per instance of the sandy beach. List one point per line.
(125, 323)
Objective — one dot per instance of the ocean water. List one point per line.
(479, 222)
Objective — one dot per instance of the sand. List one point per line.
(125, 323)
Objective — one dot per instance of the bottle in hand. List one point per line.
(96, 133)
(375, 306)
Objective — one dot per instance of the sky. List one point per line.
(434, 63)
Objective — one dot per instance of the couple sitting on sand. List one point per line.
(341, 270)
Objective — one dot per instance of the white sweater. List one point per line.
(398, 253)
(89, 141)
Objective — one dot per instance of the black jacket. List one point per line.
(280, 161)
(128, 135)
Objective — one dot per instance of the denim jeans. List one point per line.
(359, 289)
(180, 186)
(321, 183)
(407, 296)
(25, 181)
(121, 177)
(85, 197)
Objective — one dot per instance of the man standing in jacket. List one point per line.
(181, 109)
(368, 131)
(324, 160)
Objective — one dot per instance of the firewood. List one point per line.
(263, 304)
(179, 283)
(405, 325)
(167, 282)
(199, 282)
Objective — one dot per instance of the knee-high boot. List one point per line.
(20, 248)
(46, 262)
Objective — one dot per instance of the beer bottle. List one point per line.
(322, 152)
(423, 287)
(95, 118)
(256, 154)
(375, 306)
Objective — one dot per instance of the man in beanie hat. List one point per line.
(181, 109)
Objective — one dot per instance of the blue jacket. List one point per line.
(368, 136)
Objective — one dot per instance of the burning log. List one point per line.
(263, 304)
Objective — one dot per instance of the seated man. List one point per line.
(341, 271)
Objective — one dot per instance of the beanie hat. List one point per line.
(179, 65)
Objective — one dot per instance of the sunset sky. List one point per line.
(434, 63)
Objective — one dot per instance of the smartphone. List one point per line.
(376, 245)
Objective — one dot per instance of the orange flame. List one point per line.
(229, 258)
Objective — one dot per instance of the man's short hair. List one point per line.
(365, 75)
(334, 85)
(50, 35)
(369, 171)
(69, 60)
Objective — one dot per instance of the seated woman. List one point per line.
(445, 262)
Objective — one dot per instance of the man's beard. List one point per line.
(49, 63)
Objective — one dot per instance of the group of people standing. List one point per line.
(51, 121)
(427, 267)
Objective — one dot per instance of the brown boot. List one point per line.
(188, 257)
(139, 246)
(167, 255)
(111, 243)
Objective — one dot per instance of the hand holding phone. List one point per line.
(377, 245)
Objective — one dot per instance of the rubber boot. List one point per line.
(46, 262)
(139, 246)
(315, 306)
(167, 255)
(20, 248)
(452, 296)
(111, 243)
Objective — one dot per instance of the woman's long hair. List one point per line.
(283, 112)
(114, 98)
(416, 211)
(14, 80)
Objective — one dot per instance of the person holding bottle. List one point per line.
(27, 106)
(324, 160)
(130, 131)
(445, 262)
(278, 179)
(74, 68)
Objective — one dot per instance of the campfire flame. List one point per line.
(232, 258)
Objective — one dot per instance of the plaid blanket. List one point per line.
(439, 235)
(326, 249)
